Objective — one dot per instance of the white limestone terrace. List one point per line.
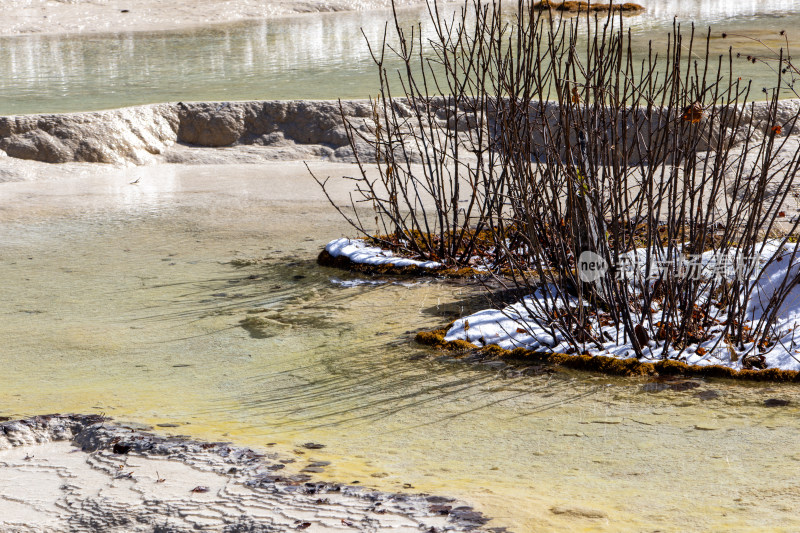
(81, 473)
(180, 133)
(248, 132)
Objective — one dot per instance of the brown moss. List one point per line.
(605, 364)
(326, 259)
(718, 371)
(517, 353)
(430, 338)
(583, 7)
(240, 263)
(671, 367)
(493, 350)
(478, 240)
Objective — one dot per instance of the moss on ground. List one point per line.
(602, 363)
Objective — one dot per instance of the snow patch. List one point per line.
(525, 324)
(358, 251)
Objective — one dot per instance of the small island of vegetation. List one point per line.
(635, 205)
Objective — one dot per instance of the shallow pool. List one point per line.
(122, 299)
(305, 57)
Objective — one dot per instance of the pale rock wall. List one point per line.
(176, 132)
(140, 134)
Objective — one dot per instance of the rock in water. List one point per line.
(583, 7)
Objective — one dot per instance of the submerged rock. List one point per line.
(776, 402)
(707, 395)
(578, 512)
(573, 6)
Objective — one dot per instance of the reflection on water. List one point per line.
(131, 307)
(312, 57)
(704, 12)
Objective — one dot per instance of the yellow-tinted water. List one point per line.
(121, 299)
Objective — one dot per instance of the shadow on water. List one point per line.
(355, 373)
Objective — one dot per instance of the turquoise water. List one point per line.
(305, 57)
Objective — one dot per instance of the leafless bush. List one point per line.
(425, 167)
(571, 147)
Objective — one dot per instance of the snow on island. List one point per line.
(525, 324)
(359, 255)
(360, 252)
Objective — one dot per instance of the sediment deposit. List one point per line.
(82, 473)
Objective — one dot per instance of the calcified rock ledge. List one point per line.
(81, 473)
(173, 132)
(247, 132)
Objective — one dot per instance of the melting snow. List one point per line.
(358, 251)
(525, 323)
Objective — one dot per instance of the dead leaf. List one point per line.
(693, 113)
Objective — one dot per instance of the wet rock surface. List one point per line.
(82, 473)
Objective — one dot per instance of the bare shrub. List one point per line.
(424, 162)
(652, 163)
(572, 149)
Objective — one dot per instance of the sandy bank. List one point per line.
(81, 473)
(101, 16)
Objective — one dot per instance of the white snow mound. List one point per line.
(358, 251)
